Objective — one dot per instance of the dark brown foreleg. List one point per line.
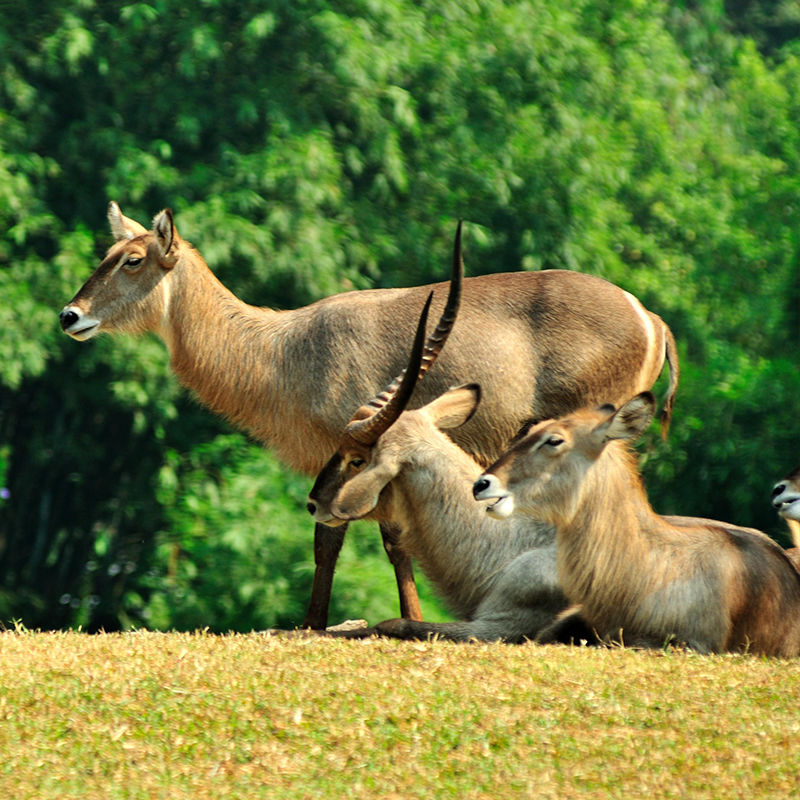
(403, 572)
(327, 544)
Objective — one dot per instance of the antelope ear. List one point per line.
(632, 419)
(455, 407)
(164, 231)
(123, 227)
(359, 496)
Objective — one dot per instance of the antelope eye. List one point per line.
(356, 463)
(554, 441)
(132, 263)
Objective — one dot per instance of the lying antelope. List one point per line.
(539, 343)
(402, 469)
(638, 576)
(786, 499)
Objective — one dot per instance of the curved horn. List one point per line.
(435, 342)
(385, 405)
(393, 399)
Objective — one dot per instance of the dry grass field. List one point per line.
(148, 715)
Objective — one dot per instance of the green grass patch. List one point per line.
(153, 715)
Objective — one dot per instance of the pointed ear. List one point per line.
(122, 227)
(164, 231)
(455, 407)
(631, 420)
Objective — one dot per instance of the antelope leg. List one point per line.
(403, 572)
(327, 544)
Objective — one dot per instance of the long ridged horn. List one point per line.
(390, 403)
(394, 399)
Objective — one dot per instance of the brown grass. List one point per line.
(147, 715)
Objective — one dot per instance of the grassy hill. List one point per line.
(149, 715)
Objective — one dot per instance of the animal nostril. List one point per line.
(312, 508)
(479, 486)
(778, 489)
(68, 318)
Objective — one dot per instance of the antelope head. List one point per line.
(127, 292)
(542, 471)
(786, 496)
(367, 459)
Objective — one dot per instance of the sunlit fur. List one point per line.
(498, 576)
(539, 343)
(642, 578)
(786, 500)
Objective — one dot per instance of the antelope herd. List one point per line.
(539, 344)
(517, 493)
(400, 468)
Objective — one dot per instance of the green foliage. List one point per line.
(314, 147)
(236, 550)
(232, 552)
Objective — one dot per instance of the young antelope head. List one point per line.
(786, 496)
(354, 481)
(127, 292)
(542, 471)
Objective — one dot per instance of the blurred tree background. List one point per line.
(313, 147)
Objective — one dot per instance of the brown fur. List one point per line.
(640, 577)
(793, 553)
(540, 344)
(499, 577)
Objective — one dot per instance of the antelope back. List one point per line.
(127, 292)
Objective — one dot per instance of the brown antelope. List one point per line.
(639, 577)
(786, 500)
(402, 469)
(539, 343)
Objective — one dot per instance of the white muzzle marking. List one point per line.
(84, 326)
(788, 505)
(503, 505)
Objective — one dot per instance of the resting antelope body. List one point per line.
(539, 343)
(402, 469)
(638, 576)
(786, 500)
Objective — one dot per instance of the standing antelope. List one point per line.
(786, 499)
(402, 469)
(539, 343)
(638, 576)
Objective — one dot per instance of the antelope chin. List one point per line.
(83, 330)
(502, 508)
(329, 521)
(790, 509)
